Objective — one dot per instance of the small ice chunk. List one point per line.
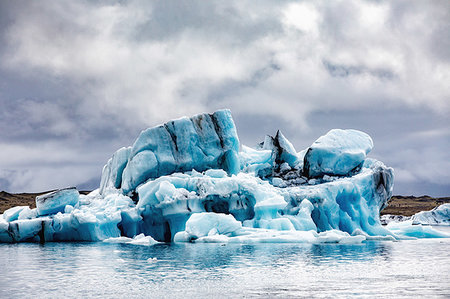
(337, 236)
(216, 173)
(13, 213)
(140, 239)
(437, 216)
(285, 167)
(337, 153)
(285, 150)
(208, 224)
(28, 213)
(68, 209)
(56, 201)
(277, 182)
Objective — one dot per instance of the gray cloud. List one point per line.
(80, 79)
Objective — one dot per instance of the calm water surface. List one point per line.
(419, 268)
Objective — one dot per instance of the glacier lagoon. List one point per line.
(188, 210)
(404, 269)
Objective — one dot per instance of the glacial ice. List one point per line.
(406, 229)
(13, 213)
(56, 201)
(338, 152)
(140, 239)
(190, 180)
(202, 142)
(437, 216)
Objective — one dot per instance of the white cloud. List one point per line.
(139, 63)
(158, 79)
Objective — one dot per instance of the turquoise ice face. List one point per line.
(339, 152)
(201, 142)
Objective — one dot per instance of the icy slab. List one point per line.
(13, 213)
(254, 161)
(406, 229)
(282, 149)
(339, 152)
(208, 224)
(221, 228)
(113, 170)
(140, 239)
(56, 201)
(437, 216)
(201, 142)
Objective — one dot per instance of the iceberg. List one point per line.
(140, 239)
(14, 213)
(440, 215)
(437, 216)
(190, 180)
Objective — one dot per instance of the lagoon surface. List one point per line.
(419, 268)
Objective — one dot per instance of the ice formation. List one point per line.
(440, 215)
(56, 201)
(339, 152)
(437, 216)
(190, 180)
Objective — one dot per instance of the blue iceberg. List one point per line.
(437, 216)
(190, 180)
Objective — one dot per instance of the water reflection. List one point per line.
(213, 256)
(81, 269)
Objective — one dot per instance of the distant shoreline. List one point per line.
(398, 205)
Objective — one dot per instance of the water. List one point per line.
(418, 268)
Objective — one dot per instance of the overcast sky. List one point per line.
(79, 79)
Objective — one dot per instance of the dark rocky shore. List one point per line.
(410, 205)
(398, 205)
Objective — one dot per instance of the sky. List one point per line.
(80, 79)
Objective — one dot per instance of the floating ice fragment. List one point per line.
(13, 213)
(56, 201)
(140, 239)
(407, 229)
(437, 216)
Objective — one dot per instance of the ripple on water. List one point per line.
(399, 269)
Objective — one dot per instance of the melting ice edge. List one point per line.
(190, 180)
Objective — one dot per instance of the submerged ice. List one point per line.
(190, 180)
